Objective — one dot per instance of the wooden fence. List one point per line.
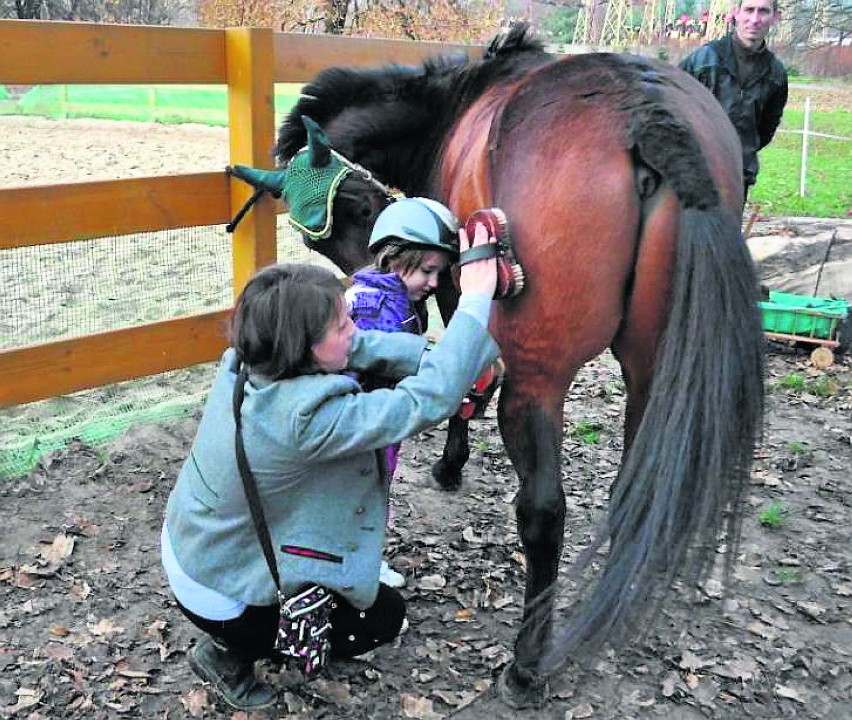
(249, 61)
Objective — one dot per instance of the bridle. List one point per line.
(365, 174)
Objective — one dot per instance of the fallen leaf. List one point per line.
(670, 683)
(578, 712)
(27, 698)
(80, 590)
(470, 536)
(61, 548)
(690, 661)
(811, 609)
(58, 652)
(60, 631)
(785, 691)
(105, 627)
(333, 691)
(743, 670)
(195, 702)
(843, 589)
(26, 580)
(432, 582)
(755, 627)
(414, 706)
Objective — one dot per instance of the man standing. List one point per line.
(746, 78)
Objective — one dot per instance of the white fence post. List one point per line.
(805, 146)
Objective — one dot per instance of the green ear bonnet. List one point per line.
(309, 182)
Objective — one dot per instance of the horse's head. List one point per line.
(333, 202)
(392, 122)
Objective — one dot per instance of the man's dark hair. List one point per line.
(281, 313)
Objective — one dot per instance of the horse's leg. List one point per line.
(532, 432)
(447, 471)
(635, 345)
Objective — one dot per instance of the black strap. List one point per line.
(249, 483)
(231, 226)
(479, 252)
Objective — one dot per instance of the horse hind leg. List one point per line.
(532, 432)
(646, 312)
(646, 309)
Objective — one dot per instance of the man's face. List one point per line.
(754, 20)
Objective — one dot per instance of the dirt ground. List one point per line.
(88, 628)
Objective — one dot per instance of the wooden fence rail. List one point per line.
(249, 61)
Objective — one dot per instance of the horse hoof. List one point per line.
(447, 477)
(521, 689)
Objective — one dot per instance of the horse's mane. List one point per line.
(397, 103)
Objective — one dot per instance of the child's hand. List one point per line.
(480, 275)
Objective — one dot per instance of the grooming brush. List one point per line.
(510, 274)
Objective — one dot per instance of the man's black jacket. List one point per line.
(754, 107)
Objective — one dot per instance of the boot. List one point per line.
(233, 679)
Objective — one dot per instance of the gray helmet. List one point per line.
(418, 221)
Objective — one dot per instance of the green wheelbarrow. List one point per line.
(823, 322)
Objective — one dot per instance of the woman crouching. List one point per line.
(308, 439)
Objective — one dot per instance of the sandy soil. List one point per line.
(89, 630)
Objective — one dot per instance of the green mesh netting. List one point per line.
(35, 430)
(310, 193)
(77, 288)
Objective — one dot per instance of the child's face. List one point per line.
(422, 281)
(332, 352)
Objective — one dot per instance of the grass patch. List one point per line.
(774, 516)
(824, 387)
(787, 576)
(587, 432)
(791, 382)
(828, 192)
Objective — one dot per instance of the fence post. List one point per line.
(249, 65)
(805, 131)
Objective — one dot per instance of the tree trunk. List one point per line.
(335, 16)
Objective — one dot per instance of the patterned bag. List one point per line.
(304, 628)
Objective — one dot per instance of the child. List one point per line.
(413, 241)
(310, 437)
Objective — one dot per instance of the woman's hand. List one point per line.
(480, 275)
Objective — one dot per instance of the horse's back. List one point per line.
(563, 142)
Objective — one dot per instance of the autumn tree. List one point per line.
(147, 12)
(409, 19)
(429, 20)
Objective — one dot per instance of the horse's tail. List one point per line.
(679, 490)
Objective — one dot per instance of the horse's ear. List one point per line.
(318, 143)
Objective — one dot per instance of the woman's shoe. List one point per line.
(233, 679)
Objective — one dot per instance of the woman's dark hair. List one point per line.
(282, 312)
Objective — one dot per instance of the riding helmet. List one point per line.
(416, 221)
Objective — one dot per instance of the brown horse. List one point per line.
(622, 183)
